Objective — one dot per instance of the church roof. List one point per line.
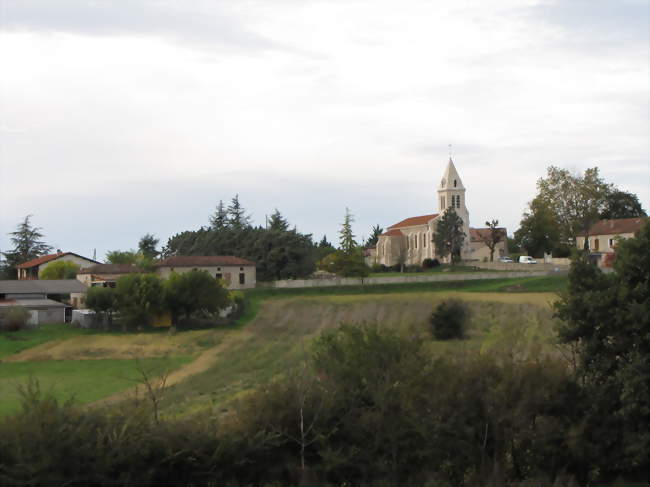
(392, 233)
(414, 220)
(449, 176)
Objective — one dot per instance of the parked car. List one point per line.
(506, 260)
(527, 259)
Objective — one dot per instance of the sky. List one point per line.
(124, 118)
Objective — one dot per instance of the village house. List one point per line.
(105, 275)
(33, 269)
(604, 235)
(410, 241)
(235, 272)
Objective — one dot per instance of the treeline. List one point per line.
(372, 407)
(280, 252)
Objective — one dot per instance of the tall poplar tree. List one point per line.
(346, 237)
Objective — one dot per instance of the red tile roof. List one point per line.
(478, 234)
(204, 261)
(414, 220)
(620, 225)
(394, 232)
(47, 258)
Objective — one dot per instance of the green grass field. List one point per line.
(211, 368)
(83, 380)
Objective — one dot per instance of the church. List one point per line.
(410, 240)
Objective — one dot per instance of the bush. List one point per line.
(13, 318)
(449, 320)
(430, 263)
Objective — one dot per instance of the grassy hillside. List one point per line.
(210, 368)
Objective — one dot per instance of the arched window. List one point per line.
(596, 244)
(455, 183)
(415, 240)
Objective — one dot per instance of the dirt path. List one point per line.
(202, 363)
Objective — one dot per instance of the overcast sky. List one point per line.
(122, 118)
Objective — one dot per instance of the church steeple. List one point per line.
(450, 178)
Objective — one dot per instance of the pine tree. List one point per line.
(220, 218)
(27, 244)
(324, 243)
(346, 239)
(278, 222)
(374, 236)
(449, 236)
(237, 217)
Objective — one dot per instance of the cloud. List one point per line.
(203, 23)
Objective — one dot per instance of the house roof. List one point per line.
(478, 234)
(203, 261)
(40, 286)
(619, 225)
(413, 221)
(110, 269)
(32, 303)
(392, 233)
(47, 258)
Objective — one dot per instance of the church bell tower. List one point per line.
(451, 194)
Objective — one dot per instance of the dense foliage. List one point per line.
(61, 269)
(606, 317)
(194, 291)
(449, 320)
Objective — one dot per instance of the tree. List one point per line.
(102, 300)
(606, 317)
(448, 237)
(493, 237)
(539, 230)
(140, 297)
(147, 246)
(324, 243)
(61, 269)
(220, 218)
(278, 222)
(122, 257)
(621, 204)
(346, 237)
(374, 236)
(194, 291)
(27, 243)
(237, 217)
(449, 320)
(577, 201)
(345, 264)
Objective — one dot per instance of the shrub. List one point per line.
(430, 263)
(13, 318)
(377, 268)
(449, 319)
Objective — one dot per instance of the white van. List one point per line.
(526, 259)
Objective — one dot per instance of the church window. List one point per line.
(415, 240)
(455, 183)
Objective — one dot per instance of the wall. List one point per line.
(249, 274)
(480, 251)
(408, 278)
(515, 266)
(51, 315)
(603, 241)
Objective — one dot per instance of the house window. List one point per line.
(218, 268)
(611, 243)
(242, 278)
(596, 244)
(218, 276)
(241, 268)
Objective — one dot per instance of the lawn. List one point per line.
(83, 380)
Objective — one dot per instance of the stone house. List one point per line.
(105, 274)
(33, 269)
(410, 241)
(235, 272)
(604, 235)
